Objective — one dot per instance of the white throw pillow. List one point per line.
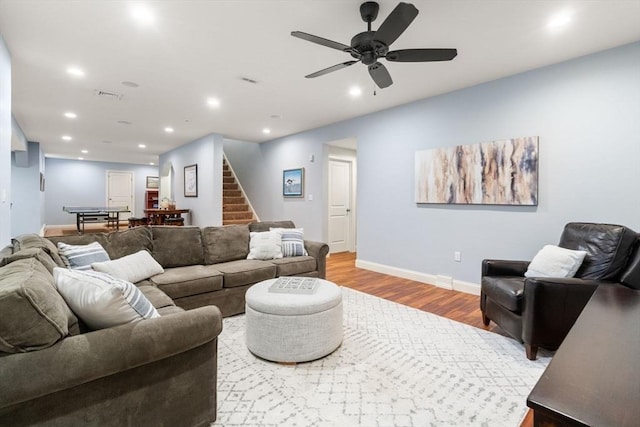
(265, 245)
(292, 241)
(132, 268)
(554, 261)
(80, 257)
(100, 300)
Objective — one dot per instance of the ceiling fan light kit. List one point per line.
(370, 46)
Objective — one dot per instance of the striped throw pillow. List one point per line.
(80, 257)
(292, 241)
(101, 300)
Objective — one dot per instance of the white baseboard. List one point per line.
(441, 281)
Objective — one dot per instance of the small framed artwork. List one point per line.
(152, 182)
(191, 181)
(293, 183)
(41, 181)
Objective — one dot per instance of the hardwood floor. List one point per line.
(458, 306)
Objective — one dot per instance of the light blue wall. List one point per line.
(206, 152)
(28, 210)
(5, 144)
(585, 111)
(83, 183)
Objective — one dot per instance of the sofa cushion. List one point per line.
(81, 239)
(504, 290)
(179, 282)
(265, 245)
(129, 241)
(132, 268)
(156, 297)
(246, 272)
(226, 243)
(80, 257)
(117, 243)
(294, 265)
(29, 241)
(102, 301)
(292, 242)
(177, 246)
(34, 315)
(266, 225)
(37, 253)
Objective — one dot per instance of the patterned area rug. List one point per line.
(397, 366)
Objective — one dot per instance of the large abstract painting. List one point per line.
(491, 173)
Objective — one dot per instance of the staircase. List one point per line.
(235, 209)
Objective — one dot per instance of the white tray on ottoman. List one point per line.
(293, 327)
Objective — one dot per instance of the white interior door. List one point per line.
(339, 205)
(120, 191)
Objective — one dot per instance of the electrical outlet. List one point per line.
(457, 256)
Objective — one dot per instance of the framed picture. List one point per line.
(152, 181)
(191, 181)
(41, 181)
(293, 183)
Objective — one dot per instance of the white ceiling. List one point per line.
(199, 49)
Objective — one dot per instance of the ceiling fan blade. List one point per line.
(331, 69)
(380, 75)
(421, 55)
(324, 42)
(395, 24)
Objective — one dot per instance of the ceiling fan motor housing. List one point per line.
(368, 48)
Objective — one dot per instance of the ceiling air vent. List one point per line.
(108, 95)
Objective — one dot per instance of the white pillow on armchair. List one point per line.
(554, 261)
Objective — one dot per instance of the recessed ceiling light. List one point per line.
(84, 151)
(129, 84)
(559, 20)
(266, 131)
(213, 102)
(152, 164)
(142, 146)
(355, 91)
(168, 129)
(66, 137)
(75, 71)
(80, 158)
(70, 115)
(142, 14)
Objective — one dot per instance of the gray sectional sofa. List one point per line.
(54, 371)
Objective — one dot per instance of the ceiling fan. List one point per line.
(369, 46)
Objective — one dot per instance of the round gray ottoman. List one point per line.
(293, 328)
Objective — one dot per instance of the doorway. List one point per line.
(120, 191)
(341, 195)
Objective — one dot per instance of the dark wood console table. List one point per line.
(594, 377)
(159, 216)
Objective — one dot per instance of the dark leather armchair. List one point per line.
(540, 311)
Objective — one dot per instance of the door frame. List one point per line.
(132, 208)
(351, 159)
